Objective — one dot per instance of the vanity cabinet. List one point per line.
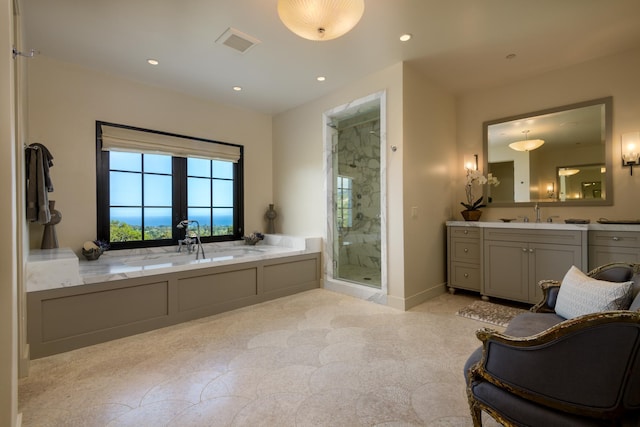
(515, 260)
(613, 246)
(464, 270)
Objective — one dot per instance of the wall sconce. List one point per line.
(551, 190)
(630, 144)
(471, 162)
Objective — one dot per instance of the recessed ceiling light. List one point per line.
(405, 37)
(510, 56)
(237, 88)
(152, 61)
(321, 78)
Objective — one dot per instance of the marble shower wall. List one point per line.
(359, 158)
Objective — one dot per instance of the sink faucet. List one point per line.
(191, 239)
(536, 208)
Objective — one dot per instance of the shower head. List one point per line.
(183, 224)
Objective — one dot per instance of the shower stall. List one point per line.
(356, 247)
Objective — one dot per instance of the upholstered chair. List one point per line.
(546, 370)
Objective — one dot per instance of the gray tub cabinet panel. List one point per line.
(63, 319)
(217, 288)
(613, 246)
(298, 275)
(72, 317)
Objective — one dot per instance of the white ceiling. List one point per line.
(458, 44)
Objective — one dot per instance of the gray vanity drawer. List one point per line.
(466, 250)
(621, 239)
(465, 276)
(557, 237)
(467, 232)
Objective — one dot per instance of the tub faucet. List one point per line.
(190, 241)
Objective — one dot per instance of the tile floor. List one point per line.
(313, 359)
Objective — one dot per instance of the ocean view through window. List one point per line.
(142, 195)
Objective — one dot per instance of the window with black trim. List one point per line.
(143, 192)
(344, 201)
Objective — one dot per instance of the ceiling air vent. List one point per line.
(237, 40)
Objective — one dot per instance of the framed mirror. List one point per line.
(560, 156)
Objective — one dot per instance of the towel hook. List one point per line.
(15, 52)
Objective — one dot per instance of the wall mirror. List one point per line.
(560, 156)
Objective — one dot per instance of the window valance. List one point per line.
(133, 140)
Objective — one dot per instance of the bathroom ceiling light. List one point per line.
(152, 61)
(405, 37)
(526, 144)
(321, 78)
(320, 19)
(237, 88)
(567, 171)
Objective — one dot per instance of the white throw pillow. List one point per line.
(580, 294)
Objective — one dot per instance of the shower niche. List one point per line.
(355, 253)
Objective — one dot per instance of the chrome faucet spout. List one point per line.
(191, 240)
(536, 208)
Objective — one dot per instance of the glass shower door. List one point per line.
(356, 193)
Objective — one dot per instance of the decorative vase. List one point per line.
(471, 215)
(49, 236)
(271, 216)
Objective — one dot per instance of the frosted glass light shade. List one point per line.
(630, 148)
(320, 19)
(526, 145)
(567, 171)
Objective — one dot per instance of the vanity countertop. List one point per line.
(546, 225)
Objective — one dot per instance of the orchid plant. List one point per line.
(474, 177)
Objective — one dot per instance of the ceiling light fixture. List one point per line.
(320, 19)
(526, 144)
(237, 88)
(405, 37)
(567, 171)
(152, 61)
(321, 78)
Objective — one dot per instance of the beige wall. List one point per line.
(10, 246)
(298, 166)
(611, 76)
(429, 160)
(421, 124)
(65, 100)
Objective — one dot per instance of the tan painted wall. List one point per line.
(429, 169)
(298, 167)
(611, 76)
(10, 245)
(65, 100)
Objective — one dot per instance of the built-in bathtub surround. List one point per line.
(132, 291)
(58, 268)
(52, 268)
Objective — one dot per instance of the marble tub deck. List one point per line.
(317, 358)
(57, 268)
